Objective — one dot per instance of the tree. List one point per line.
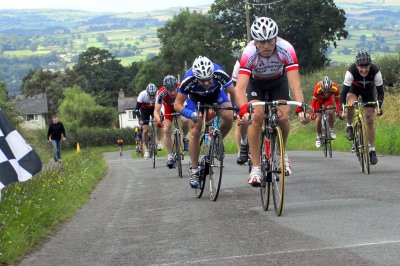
(103, 73)
(8, 107)
(50, 83)
(188, 35)
(80, 109)
(309, 25)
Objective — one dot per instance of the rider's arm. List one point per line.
(343, 94)
(137, 107)
(240, 89)
(157, 109)
(294, 83)
(381, 94)
(231, 91)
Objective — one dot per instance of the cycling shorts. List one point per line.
(215, 97)
(168, 109)
(268, 90)
(366, 95)
(326, 103)
(145, 115)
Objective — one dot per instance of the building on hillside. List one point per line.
(33, 109)
(126, 111)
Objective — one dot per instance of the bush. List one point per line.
(94, 136)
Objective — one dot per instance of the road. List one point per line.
(137, 215)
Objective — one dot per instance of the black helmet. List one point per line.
(363, 58)
(170, 82)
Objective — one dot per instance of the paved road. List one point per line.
(333, 215)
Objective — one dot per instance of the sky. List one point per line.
(118, 6)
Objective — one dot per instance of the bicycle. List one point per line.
(177, 151)
(360, 141)
(120, 144)
(325, 131)
(211, 152)
(272, 155)
(152, 146)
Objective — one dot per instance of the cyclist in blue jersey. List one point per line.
(204, 82)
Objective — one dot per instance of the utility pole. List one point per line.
(247, 21)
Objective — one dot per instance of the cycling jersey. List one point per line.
(190, 85)
(166, 101)
(261, 68)
(364, 86)
(320, 98)
(144, 102)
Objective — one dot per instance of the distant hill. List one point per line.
(53, 39)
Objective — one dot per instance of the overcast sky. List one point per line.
(101, 5)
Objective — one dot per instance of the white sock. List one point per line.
(170, 156)
(349, 125)
(372, 148)
(243, 141)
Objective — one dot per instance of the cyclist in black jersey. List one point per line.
(361, 79)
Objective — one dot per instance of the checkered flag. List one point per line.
(18, 161)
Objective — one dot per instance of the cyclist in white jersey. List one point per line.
(268, 66)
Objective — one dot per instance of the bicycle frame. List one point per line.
(177, 144)
(212, 148)
(325, 131)
(272, 155)
(360, 141)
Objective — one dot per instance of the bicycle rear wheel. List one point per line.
(325, 136)
(358, 142)
(277, 162)
(177, 151)
(216, 164)
(203, 169)
(265, 188)
(364, 148)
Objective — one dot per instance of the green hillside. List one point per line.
(31, 39)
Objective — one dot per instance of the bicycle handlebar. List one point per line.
(325, 109)
(278, 103)
(360, 103)
(217, 107)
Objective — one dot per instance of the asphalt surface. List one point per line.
(333, 215)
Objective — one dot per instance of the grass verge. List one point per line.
(33, 209)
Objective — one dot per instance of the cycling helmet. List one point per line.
(202, 68)
(170, 82)
(151, 89)
(326, 84)
(363, 58)
(264, 29)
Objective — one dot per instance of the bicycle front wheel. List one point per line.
(357, 144)
(203, 169)
(265, 188)
(277, 162)
(364, 148)
(216, 164)
(154, 147)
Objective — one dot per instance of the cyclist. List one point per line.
(361, 79)
(240, 129)
(268, 66)
(138, 139)
(120, 144)
(326, 93)
(145, 107)
(166, 97)
(204, 82)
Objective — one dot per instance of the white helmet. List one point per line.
(326, 85)
(151, 89)
(202, 68)
(264, 29)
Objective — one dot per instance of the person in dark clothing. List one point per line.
(55, 136)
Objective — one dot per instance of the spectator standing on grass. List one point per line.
(55, 136)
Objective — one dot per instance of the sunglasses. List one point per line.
(205, 80)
